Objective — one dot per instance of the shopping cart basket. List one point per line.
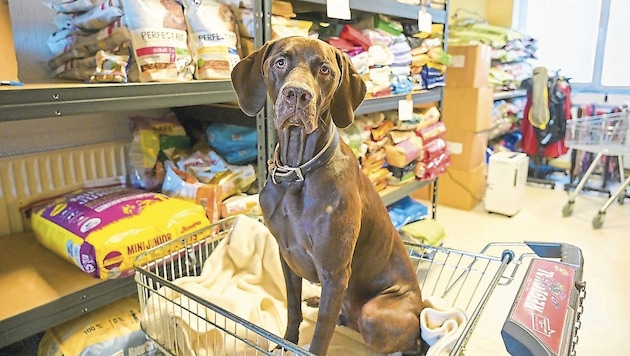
(465, 280)
(604, 135)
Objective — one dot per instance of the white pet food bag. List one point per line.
(111, 330)
(159, 40)
(99, 16)
(214, 37)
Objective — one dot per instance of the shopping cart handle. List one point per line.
(565, 252)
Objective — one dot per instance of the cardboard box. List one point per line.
(459, 189)
(467, 149)
(469, 67)
(468, 109)
(8, 61)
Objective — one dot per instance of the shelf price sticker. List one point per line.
(405, 109)
(425, 20)
(338, 9)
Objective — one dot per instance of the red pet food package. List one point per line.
(355, 36)
(103, 230)
(434, 149)
(214, 37)
(430, 169)
(159, 40)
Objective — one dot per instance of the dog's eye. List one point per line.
(280, 63)
(324, 70)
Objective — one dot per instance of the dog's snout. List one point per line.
(297, 95)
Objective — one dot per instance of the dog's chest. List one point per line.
(291, 223)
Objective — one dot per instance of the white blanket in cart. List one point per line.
(244, 276)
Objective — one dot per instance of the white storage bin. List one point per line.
(507, 177)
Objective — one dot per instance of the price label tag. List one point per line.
(338, 9)
(405, 109)
(425, 21)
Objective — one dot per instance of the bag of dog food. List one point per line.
(214, 36)
(159, 40)
(182, 185)
(116, 35)
(151, 136)
(103, 230)
(210, 169)
(111, 330)
(236, 144)
(103, 67)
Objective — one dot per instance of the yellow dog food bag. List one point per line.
(102, 231)
(111, 330)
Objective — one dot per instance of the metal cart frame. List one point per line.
(466, 280)
(604, 135)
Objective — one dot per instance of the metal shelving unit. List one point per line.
(67, 307)
(51, 289)
(391, 8)
(394, 193)
(50, 100)
(404, 11)
(391, 102)
(506, 95)
(509, 94)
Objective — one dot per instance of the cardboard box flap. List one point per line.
(8, 60)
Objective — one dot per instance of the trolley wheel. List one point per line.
(567, 210)
(598, 220)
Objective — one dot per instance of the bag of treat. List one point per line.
(110, 68)
(159, 40)
(114, 36)
(72, 6)
(214, 37)
(151, 136)
(99, 16)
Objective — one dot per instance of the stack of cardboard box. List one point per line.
(8, 62)
(467, 114)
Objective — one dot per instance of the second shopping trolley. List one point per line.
(604, 135)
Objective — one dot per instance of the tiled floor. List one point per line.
(606, 268)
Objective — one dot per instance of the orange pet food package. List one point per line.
(103, 230)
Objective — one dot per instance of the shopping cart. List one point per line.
(604, 135)
(465, 280)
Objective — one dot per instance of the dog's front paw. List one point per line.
(312, 302)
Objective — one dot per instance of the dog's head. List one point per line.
(304, 77)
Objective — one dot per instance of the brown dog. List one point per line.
(331, 224)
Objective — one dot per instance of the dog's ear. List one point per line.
(248, 82)
(349, 94)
